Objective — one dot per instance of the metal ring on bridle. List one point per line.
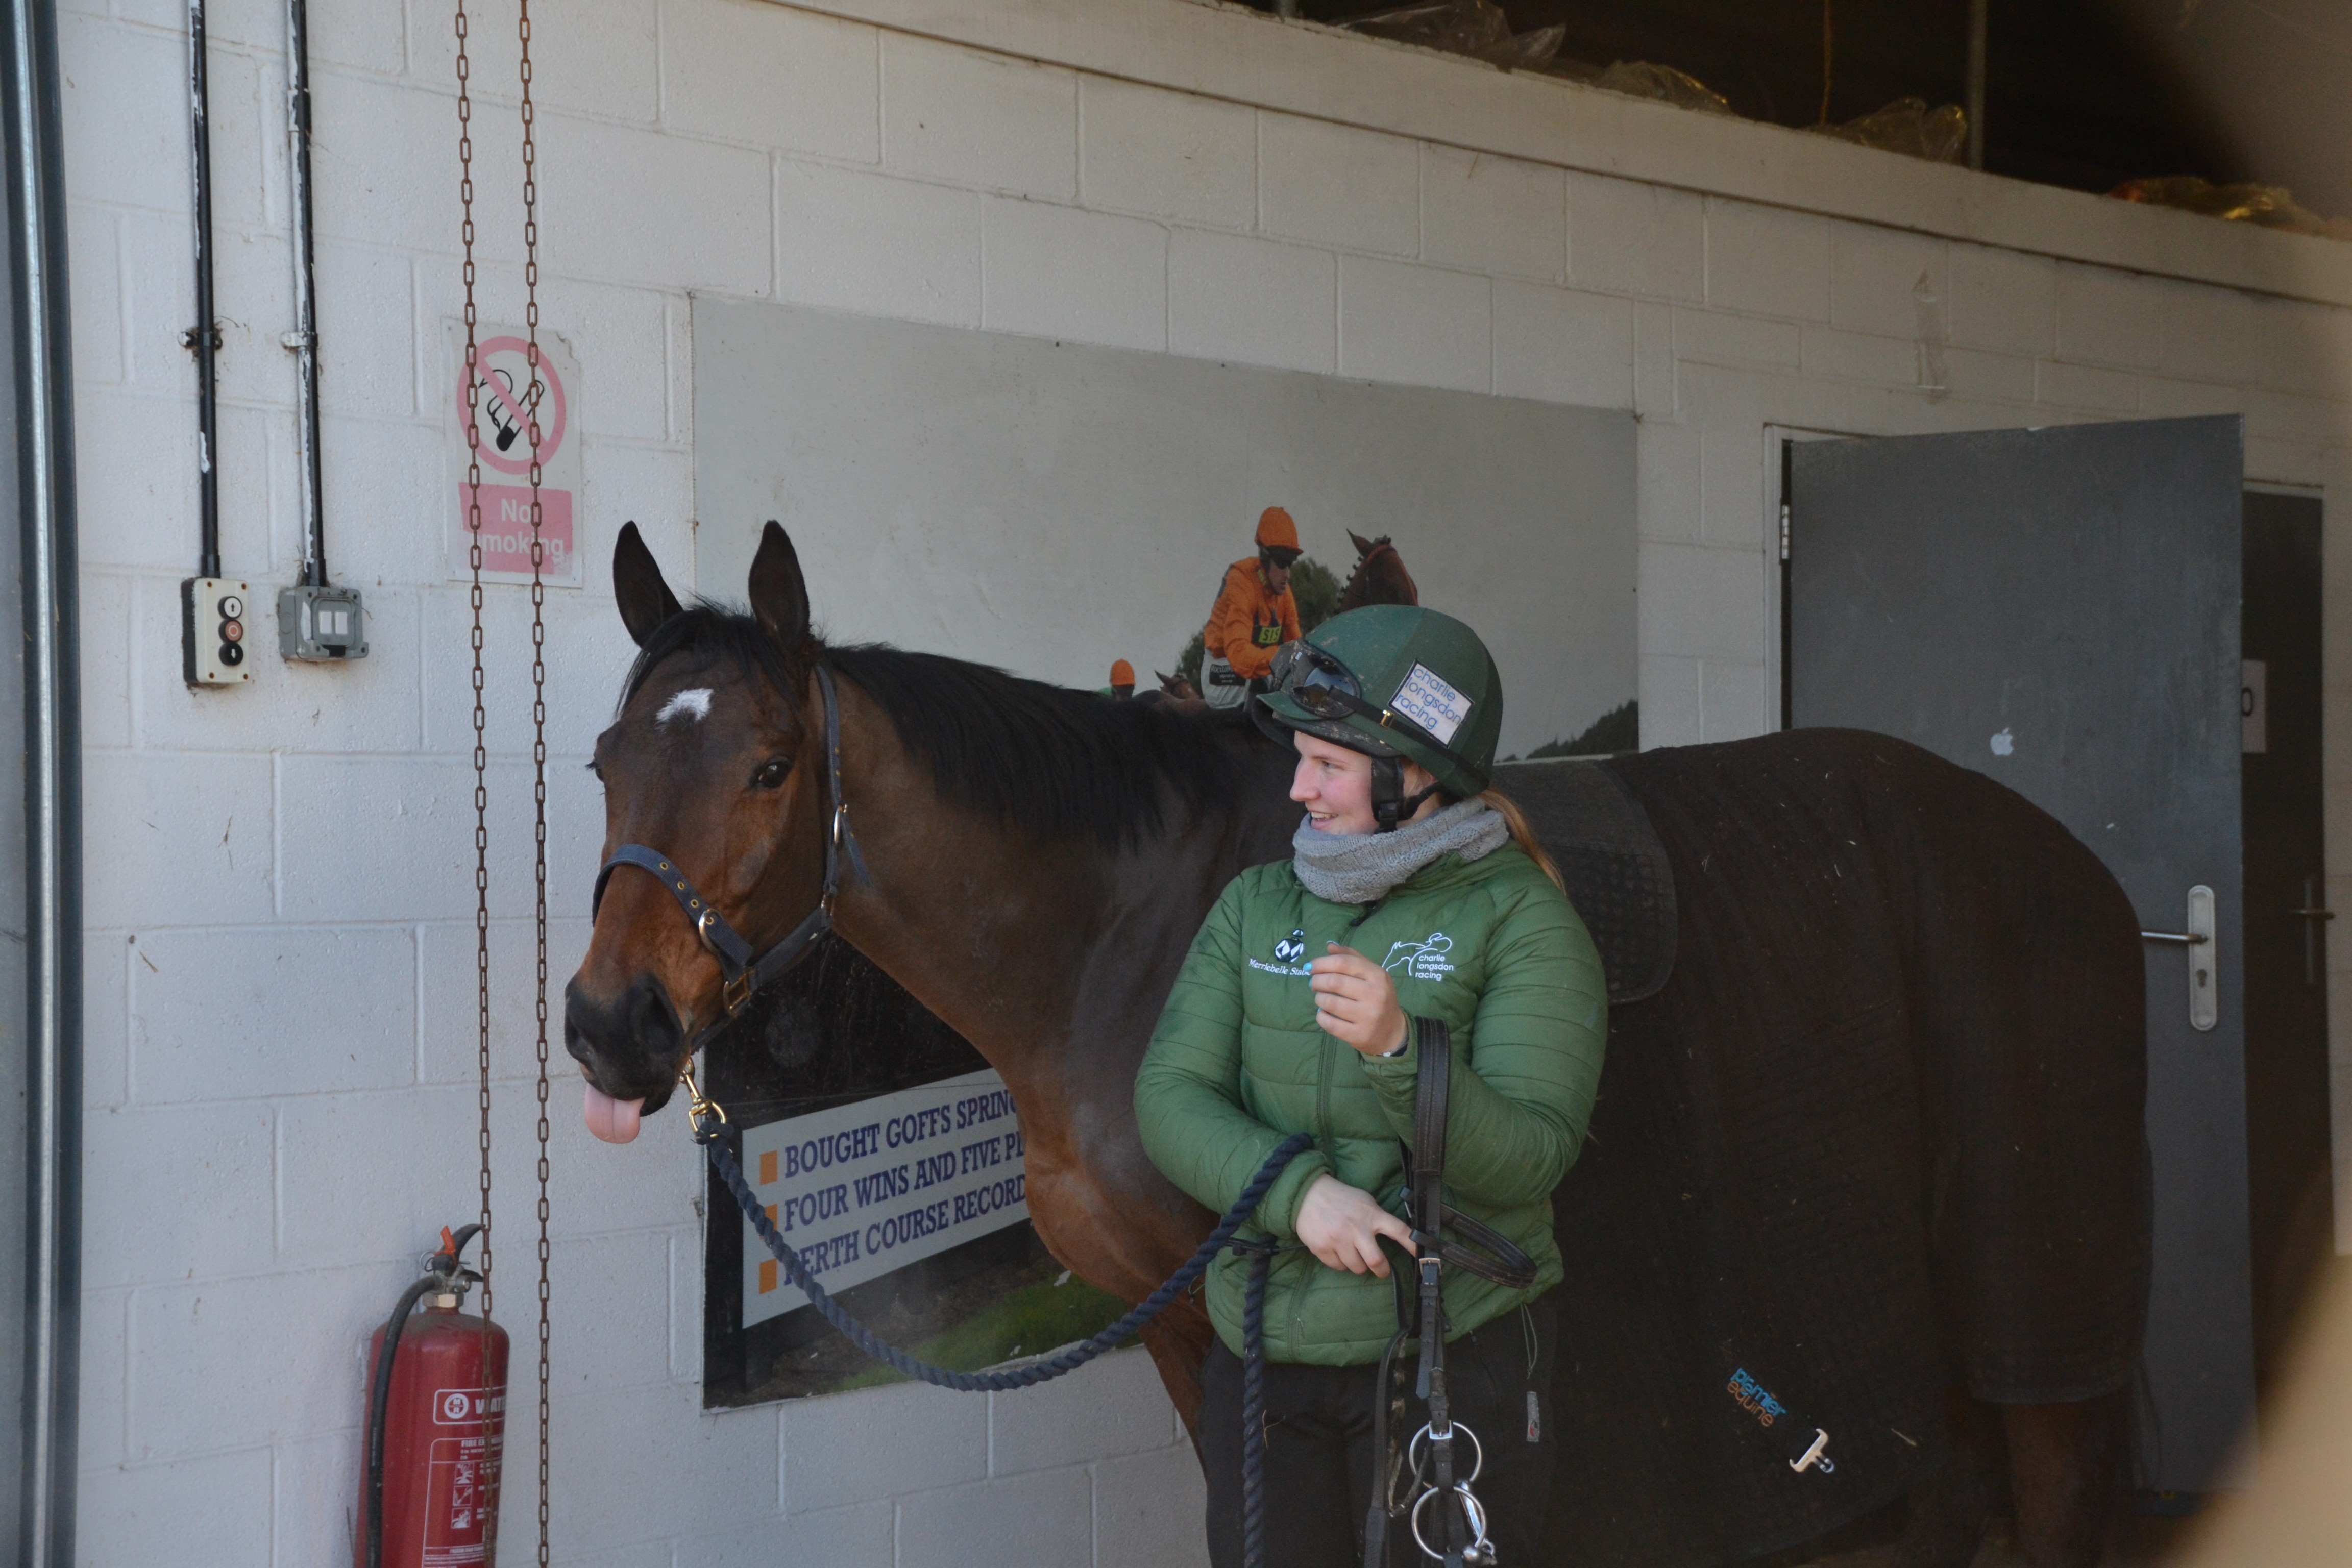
(702, 925)
(1472, 1509)
(1477, 1463)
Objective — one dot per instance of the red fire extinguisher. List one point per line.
(436, 1423)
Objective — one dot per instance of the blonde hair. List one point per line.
(1524, 835)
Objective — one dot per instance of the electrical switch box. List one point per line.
(321, 624)
(212, 641)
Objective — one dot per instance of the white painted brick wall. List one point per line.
(280, 982)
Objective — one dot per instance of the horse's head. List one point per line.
(714, 765)
(1379, 577)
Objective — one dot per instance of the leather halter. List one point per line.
(742, 970)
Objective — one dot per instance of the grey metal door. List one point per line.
(2059, 609)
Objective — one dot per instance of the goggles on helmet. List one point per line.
(1318, 682)
(1328, 688)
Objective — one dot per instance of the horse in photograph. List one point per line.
(1379, 577)
(1869, 1156)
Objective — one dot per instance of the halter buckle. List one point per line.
(733, 994)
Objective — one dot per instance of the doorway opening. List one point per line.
(2291, 1200)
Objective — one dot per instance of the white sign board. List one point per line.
(864, 1189)
(926, 472)
(500, 396)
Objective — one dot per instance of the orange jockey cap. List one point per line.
(1121, 673)
(1276, 531)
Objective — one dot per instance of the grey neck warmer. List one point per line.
(1358, 868)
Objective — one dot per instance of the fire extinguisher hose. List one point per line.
(434, 1279)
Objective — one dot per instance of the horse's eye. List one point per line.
(771, 775)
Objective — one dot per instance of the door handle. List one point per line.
(2312, 912)
(2197, 941)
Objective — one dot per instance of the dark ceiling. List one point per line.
(2083, 93)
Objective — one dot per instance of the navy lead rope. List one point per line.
(1254, 1398)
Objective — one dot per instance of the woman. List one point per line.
(1407, 884)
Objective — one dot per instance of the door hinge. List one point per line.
(1784, 531)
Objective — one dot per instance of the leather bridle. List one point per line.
(741, 969)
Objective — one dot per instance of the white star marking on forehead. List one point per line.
(693, 704)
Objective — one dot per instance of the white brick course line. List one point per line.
(2003, 302)
(1731, 487)
(1493, 215)
(2085, 388)
(1628, 239)
(1327, 185)
(922, 261)
(1063, 272)
(1562, 345)
(1763, 261)
(1655, 379)
(198, 1510)
(210, 1217)
(981, 121)
(1715, 337)
(906, 1429)
(1837, 355)
(1162, 154)
(1418, 325)
(776, 77)
(1050, 1514)
(1253, 301)
(1734, 700)
(1894, 284)
(103, 1392)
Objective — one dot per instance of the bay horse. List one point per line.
(1877, 1138)
(1379, 577)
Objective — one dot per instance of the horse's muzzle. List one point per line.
(631, 1047)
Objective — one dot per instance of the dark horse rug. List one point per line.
(1877, 1135)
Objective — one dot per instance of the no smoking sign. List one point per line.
(500, 397)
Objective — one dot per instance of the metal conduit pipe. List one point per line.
(204, 336)
(304, 338)
(43, 383)
(1978, 27)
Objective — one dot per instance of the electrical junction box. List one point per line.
(321, 624)
(213, 631)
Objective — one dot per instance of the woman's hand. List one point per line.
(1356, 1001)
(1342, 1226)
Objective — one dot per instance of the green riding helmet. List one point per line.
(1396, 681)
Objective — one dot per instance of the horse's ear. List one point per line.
(1363, 546)
(645, 599)
(779, 593)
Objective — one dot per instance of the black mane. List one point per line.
(1051, 761)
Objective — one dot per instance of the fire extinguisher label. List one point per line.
(462, 1488)
(463, 1406)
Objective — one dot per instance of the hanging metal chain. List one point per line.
(481, 751)
(538, 715)
(481, 754)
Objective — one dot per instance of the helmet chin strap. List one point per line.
(1390, 804)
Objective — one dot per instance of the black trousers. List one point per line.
(1318, 1447)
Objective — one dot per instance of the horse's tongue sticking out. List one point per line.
(613, 1120)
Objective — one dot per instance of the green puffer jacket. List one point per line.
(1238, 1063)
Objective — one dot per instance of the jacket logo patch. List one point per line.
(1422, 960)
(1292, 948)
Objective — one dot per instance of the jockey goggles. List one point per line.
(1328, 688)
